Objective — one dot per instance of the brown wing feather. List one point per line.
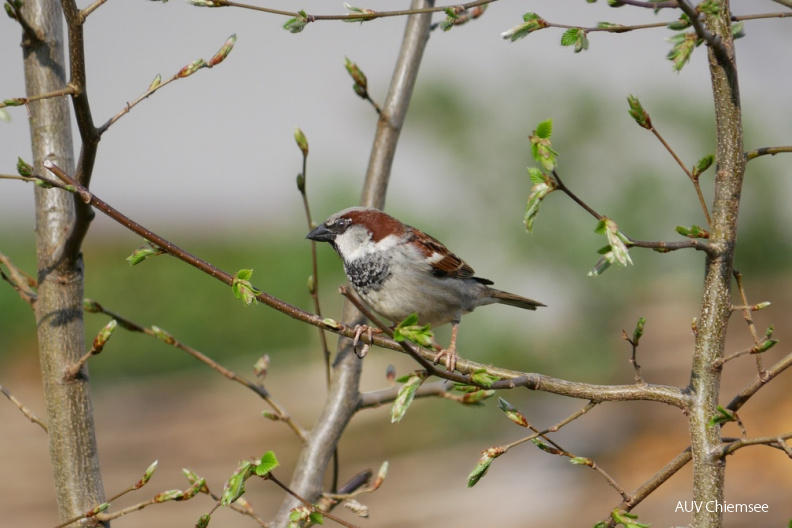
(444, 263)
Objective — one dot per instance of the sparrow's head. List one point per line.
(356, 231)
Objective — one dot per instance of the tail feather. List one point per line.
(515, 300)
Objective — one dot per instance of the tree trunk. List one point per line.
(708, 468)
(59, 313)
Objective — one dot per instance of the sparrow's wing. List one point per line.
(443, 262)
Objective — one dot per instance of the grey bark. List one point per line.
(58, 309)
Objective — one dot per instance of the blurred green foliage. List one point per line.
(619, 169)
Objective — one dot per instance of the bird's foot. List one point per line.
(359, 331)
(450, 356)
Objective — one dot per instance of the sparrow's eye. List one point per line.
(339, 225)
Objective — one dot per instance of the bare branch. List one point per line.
(765, 151)
(778, 442)
(282, 414)
(355, 16)
(30, 415)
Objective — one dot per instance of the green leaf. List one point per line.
(544, 129)
(316, 518)
(541, 148)
(147, 475)
(487, 456)
(538, 193)
(302, 143)
(406, 395)
(451, 18)
(410, 330)
(615, 252)
(722, 416)
(532, 22)
(692, 231)
(575, 37)
(581, 461)
(235, 486)
(639, 330)
(24, 169)
(143, 252)
(738, 30)
(512, 413)
(361, 82)
(546, 447)
(569, 37)
(476, 397)
(482, 378)
(703, 164)
(681, 24)
(638, 113)
(203, 521)
(353, 9)
(296, 24)
(680, 53)
(267, 463)
(241, 287)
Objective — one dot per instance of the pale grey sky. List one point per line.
(218, 146)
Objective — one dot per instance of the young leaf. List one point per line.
(532, 22)
(538, 193)
(353, 9)
(224, 51)
(410, 330)
(267, 463)
(487, 456)
(680, 53)
(639, 330)
(575, 37)
(638, 113)
(242, 288)
(143, 252)
(406, 395)
(541, 148)
(235, 485)
(298, 23)
(722, 416)
(512, 413)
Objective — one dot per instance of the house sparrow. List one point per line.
(399, 270)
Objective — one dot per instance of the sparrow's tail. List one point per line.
(515, 300)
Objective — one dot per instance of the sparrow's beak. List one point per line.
(321, 234)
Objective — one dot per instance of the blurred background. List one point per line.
(210, 163)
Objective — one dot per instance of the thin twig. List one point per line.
(95, 307)
(558, 450)
(307, 503)
(778, 441)
(648, 487)
(24, 284)
(660, 246)
(354, 16)
(382, 397)
(18, 101)
(749, 320)
(765, 151)
(30, 415)
(693, 179)
(758, 382)
(314, 287)
(91, 8)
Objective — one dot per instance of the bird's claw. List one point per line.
(359, 330)
(450, 356)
